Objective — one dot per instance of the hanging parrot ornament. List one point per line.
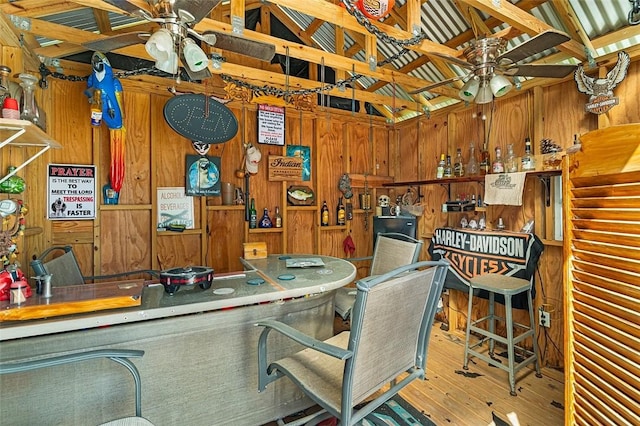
(105, 94)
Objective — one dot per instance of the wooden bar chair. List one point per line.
(506, 286)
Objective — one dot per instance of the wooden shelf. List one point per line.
(126, 207)
(177, 233)
(234, 207)
(265, 230)
(480, 179)
(302, 208)
(22, 133)
(332, 227)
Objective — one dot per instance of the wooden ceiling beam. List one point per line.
(568, 17)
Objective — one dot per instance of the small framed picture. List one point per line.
(305, 153)
(203, 175)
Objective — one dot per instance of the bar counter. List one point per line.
(200, 362)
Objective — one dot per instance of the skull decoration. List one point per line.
(384, 201)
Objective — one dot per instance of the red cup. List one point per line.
(10, 103)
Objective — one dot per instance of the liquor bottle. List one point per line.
(278, 218)
(265, 221)
(341, 214)
(472, 166)
(498, 165)
(324, 214)
(448, 170)
(440, 168)
(485, 160)
(528, 162)
(253, 215)
(510, 163)
(458, 165)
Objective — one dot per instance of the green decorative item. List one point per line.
(14, 185)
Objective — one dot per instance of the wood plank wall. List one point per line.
(123, 237)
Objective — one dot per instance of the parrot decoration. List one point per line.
(105, 94)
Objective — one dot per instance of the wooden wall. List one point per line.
(124, 237)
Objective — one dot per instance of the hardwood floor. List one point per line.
(451, 397)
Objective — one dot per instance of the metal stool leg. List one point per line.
(492, 322)
(534, 337)
(465, 366)
(510, 351)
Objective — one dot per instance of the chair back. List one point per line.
(391, 321)
(393, 250)
(64, 269)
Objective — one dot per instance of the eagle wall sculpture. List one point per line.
(600, 90)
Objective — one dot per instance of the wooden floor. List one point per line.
(452, 396)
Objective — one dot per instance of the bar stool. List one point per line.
(508, 287)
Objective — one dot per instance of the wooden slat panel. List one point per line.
(614, 297)
(623, 329)
(606, 284)
(607, 203)
(630, 277)
(613, 315)
(620, 190)
(607, 385)
(610, 261)
(607, 214)
(621, 239)
(609, 347)
(607, 249)
(630, 228)
(607, 178)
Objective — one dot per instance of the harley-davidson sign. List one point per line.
(472, 253)
(600, 90)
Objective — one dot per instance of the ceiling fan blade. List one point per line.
(534, 45)
(434, 85)
(199, 9)
(243, 46)
(453, 59)
(108, 44)
(553, 71)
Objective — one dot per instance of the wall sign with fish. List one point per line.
(298, 195)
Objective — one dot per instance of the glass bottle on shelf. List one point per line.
(472, 166)
(253, 215)
(510, 164)
(5, 71)
(278, 218)
(458, 165)
(341, 214)
(448, 170)
(527, 162)
(265, 221)
(498, 164)
(440, 168)
(485, 160)
(324, 214)
(29, 110)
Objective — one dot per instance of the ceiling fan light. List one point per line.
(500, 85)
(160, 45)
(195, 57)
(484, 94)
(170, 65)
(469, 90)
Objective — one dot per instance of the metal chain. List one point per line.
(45, 72)
(287, 94)
(381, 35)
(634, 13)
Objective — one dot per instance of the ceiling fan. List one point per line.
(175, 38)
(488, 64)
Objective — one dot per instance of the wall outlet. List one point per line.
(544, 318)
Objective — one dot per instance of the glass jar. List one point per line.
(552, 160)
(29, 110)
(14, 185)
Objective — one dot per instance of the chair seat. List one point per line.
(318, 373)
(500, 284)
(129, 421)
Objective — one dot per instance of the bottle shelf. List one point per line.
(265, 230)
(464, 179)
(302, 208)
